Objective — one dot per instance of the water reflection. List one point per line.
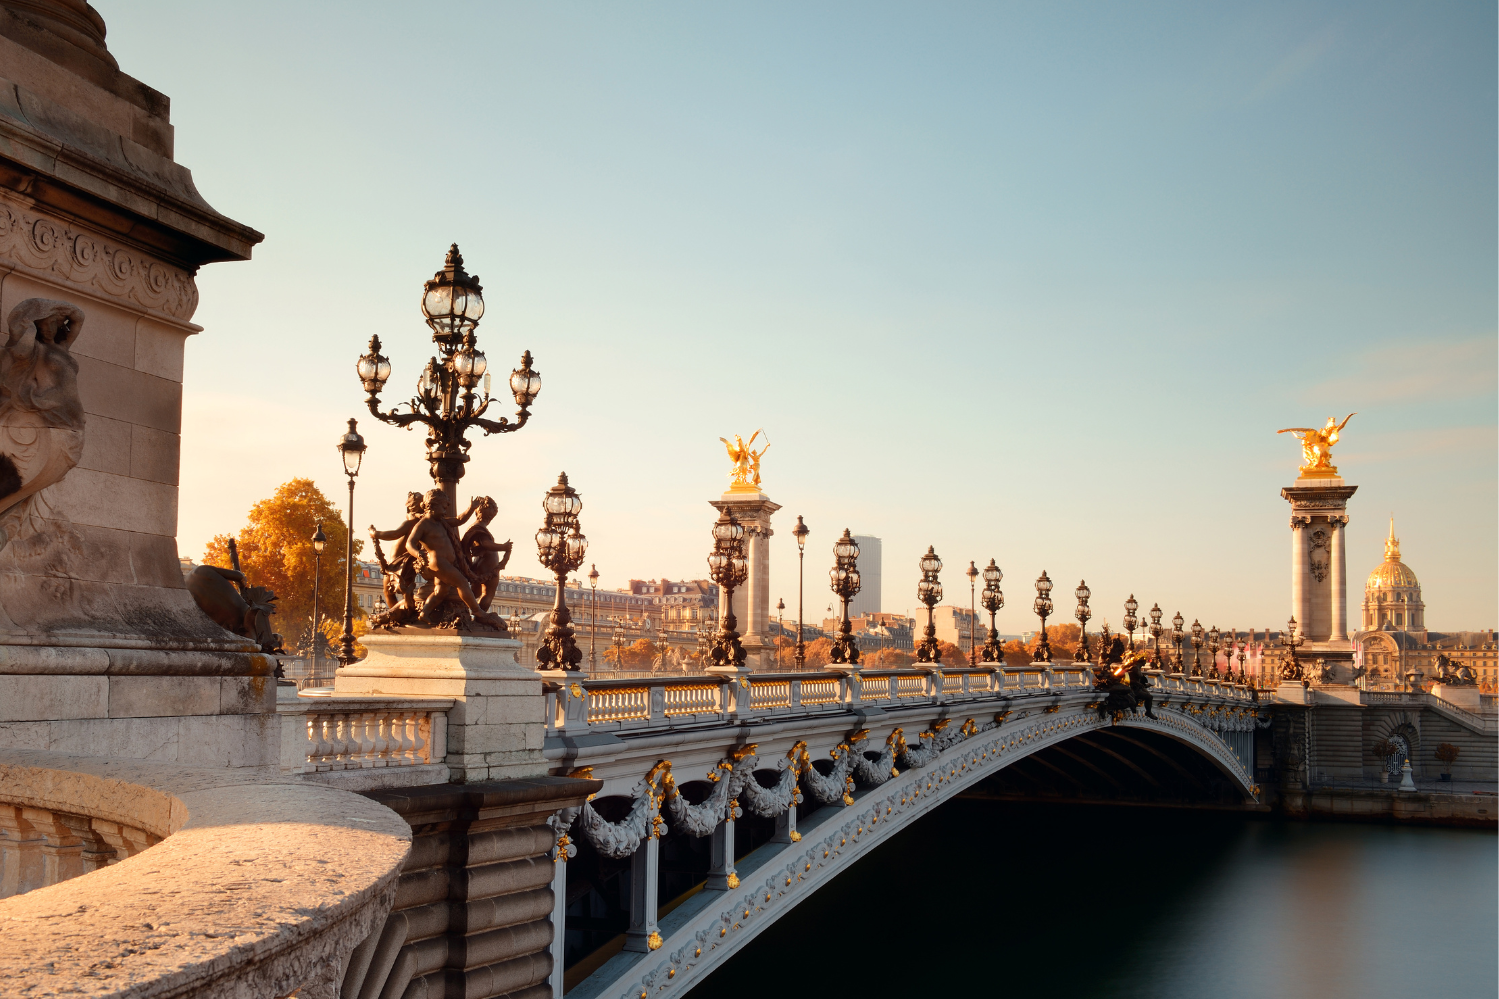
(988, 898)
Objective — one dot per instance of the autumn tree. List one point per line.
(275, 551)
(885, 659)
(818, 652)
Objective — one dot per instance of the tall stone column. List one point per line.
(1319, 576)
(1338, 526)
(753, 509)
(1298, 571)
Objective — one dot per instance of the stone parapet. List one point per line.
(496, 723)
(257, 886)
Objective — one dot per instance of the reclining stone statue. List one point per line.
(244, 610)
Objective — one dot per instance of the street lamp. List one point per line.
(446, 401)
(729, 569)
(800, 532)
(929, 592)
(319, 542)
(1213, 637)
(1083, 614)
(1243, 655)
(619, 645)
(1155, 635)
(973, 616)
(780, 617)
(1178, 639)
(1043, 607)
(351, 447)
(1196, 648)
(560, 547)
(1291, 640)
(845, 582)
(994, 599)
(1130, 620)
(593, 628)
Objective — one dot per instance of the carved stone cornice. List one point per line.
(1318, 499)
(52, 247)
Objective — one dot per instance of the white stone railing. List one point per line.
(672, 701)
(248, 886)
(1485, 723)
(322, 733)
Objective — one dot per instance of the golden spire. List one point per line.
(1392, 544)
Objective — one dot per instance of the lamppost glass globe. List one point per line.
(319, 540)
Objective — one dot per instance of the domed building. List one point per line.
(1392, 596)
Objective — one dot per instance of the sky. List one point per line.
(1030, 282)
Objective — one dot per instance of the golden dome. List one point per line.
(1392, 572)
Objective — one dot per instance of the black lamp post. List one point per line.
(780, 618)
(351, 447)
(1243, 655)
(319, 542)
(973, 615)
(993, 599)
(1178, 639)
(800, 532)
(1083, 614)
(1130, 620)
(844, 577)
(446, 401)
(929, 592)
(1213, 645)
(729, 569)
(1043, 608)
(1196, 648)
(593, 628)
(1155, 635)
(560, 547)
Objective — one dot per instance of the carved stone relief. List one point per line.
(118, 272)
(41, 416)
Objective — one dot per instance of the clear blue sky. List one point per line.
(1033, 282)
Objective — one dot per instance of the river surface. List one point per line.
(989, 898)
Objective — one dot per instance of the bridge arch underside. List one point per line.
(1174, 758)
(1119, 764)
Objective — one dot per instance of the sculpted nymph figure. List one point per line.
(482, 552)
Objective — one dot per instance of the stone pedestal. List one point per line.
(496, 726)
(753, 510)
(1319, 570)
(1465, 696)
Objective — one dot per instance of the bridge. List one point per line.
(816, 769)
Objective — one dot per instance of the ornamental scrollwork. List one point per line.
(52, 246)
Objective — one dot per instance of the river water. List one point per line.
(992, 898)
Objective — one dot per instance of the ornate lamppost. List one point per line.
(351, 448)
(593, 627)
(845, 582)
(1243, 655)
(1130, 620)
(560, 547)
(1155, 635)
(780, 617)
(994, 599)
(319, 542)
(929, 592)
(1196, 648)
(1178, 640)
(446, 401)
(973, 616)
(1291, 640)
(800, 532)
(619, 645)
(1043, 608)
(1083, 614)
(729, 569)
(1213, 636)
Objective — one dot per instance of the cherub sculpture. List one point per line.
(746, 471)
(1316, 444)
(435, 543)
(399, 573)
(486, 557)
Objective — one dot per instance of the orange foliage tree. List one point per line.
(885, 659)
(275, 551)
